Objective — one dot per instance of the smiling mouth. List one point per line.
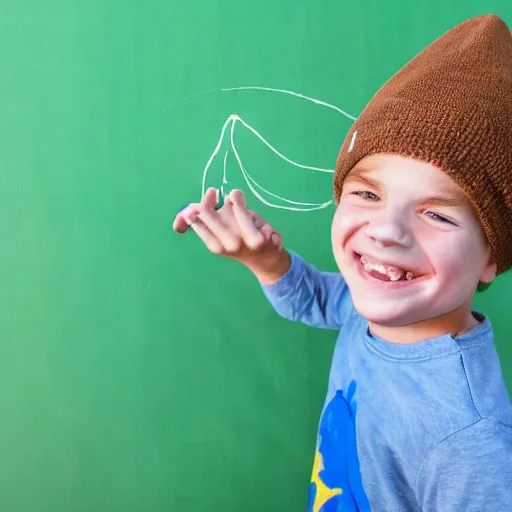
(384, 272)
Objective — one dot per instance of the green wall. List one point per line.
(138, 372)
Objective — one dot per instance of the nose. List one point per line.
(389, 228)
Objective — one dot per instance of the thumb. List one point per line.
(272, 235)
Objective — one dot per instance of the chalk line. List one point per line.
(224, 169)
(251, 182)
(253, 185)
(291, 93)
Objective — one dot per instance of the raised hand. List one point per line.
(235, 232)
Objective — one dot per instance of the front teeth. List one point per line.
(394, 274)
(375, 266)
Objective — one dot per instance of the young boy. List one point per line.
(417, 416)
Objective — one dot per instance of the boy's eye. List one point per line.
(366, 194)
(438, 218)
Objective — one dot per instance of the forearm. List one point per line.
(271, 268)
(300, 292)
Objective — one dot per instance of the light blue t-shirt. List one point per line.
(419, 427)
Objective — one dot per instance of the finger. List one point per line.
(268, 232)
(230, 239)
(272, 236)
(203, 232)
(257, 219)
(252, 236)
(180, 224)
(266, 229)
(212, 218)
(210, 198)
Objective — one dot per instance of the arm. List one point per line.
(470, 471)
(305, 294)
(297, 290)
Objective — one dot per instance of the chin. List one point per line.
(386, 315)
(392, 304)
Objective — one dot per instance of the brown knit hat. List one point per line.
(452, 106)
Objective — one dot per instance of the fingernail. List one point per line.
(258, 223)
(275, 238)
(241, 199)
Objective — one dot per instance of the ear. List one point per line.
(489, 271)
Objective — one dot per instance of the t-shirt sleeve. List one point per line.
(306, 294)
(471, 471)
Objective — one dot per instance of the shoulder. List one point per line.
(486, 440)
(470, 468)
(483, 372)
(485, 436)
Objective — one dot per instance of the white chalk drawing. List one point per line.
(232, 122)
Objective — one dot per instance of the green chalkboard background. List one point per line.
(137, 371)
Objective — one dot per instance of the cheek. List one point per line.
(346, 220)
(457, 255)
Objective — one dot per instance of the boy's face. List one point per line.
(407, 242)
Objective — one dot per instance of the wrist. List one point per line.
(270, 268)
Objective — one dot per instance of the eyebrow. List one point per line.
(436, 200)
(442, 201)
(357, 175)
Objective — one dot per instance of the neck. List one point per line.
(456, 322)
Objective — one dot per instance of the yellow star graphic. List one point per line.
(323, 493)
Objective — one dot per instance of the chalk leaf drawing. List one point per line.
(228, 131)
